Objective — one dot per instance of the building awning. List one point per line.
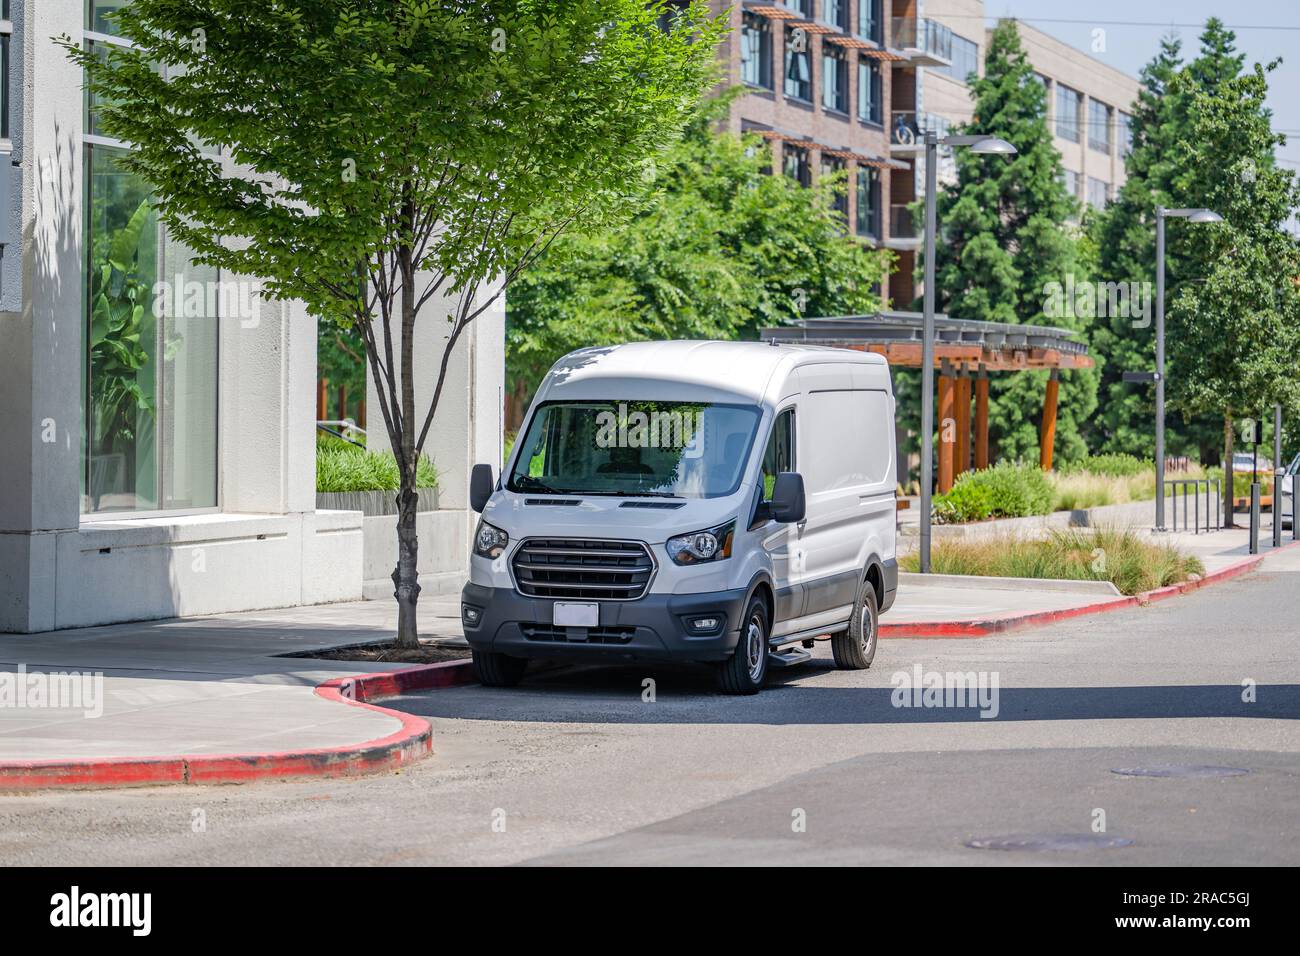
(774, 13)
(996, 346)
(840, 152)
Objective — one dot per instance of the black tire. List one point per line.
(745, 671)
(855, 648)
(498, 670)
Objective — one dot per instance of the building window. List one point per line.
(1124, 132)
(831, 166)
(836, 13)
(804, 7)
(871, 22)
(867, 198)
(1070, 180)
(149, 342)
(798, 65)
(6, 35)
(835, 80)
(1099, 126)
(1098, 193)
(794, 163)
(965, 59)
(756, 52)
(870, 96)
(1067, 113)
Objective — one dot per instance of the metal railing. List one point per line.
(907, 127)
(918, 33)
(1213, 493)
(902, 224)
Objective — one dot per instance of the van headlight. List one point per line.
(489, 540)
(700, 547)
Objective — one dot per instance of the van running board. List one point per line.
(788, 657)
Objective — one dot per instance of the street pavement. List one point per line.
(578, 766)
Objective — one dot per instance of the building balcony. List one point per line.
(907, 130)
(923, 41)
(904, 229)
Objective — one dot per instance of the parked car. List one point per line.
(722, 502)
(1244, 461)
(1287, 508)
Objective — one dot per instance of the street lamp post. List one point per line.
(1191, 215)
(977, 144)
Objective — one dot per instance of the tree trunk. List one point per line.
(406, 577)
(1227, 470)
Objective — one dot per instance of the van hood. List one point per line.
(652, 520)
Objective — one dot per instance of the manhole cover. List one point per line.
(1181, 770)
(1049, 842)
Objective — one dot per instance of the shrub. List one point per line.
(343, 466)
(1116, 465)
(1006, 490)
(1126, 558)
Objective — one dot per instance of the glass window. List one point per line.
(798, 65)
(1099, 126)
(831, 166)
(867, 195)
(794, 163)
(835, 80)
(870, 108)
(650, 448)
(1124, 132)
(801, 6)
(870, 21)
(965, 59)
(1067, 113)
(1070, 180)
(1098, 193)
(779, 455)
(836, 13)
(756, 52)
(150, 353)
(99, 15)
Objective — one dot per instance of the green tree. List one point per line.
(1234, 334)
(397, 154)
(1004, 242)
(1124, 236)
(724, 250)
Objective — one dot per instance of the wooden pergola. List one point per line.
(964, 351)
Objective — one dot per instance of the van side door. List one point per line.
(777, 539)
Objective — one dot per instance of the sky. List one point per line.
(1265, 29)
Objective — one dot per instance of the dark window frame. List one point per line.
(754, 25)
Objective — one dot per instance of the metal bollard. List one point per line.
(1218, 504)
(1277, 509)
(1254, 517)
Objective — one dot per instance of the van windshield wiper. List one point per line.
(536, 484)
(618, 493)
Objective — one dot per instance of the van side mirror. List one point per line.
(788, 504)
(480, 487)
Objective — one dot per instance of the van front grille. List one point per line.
(592, 635)
(569, 568)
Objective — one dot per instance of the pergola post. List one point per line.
(963, 420)
(1047, 431)
(945, 417)
(982, 418)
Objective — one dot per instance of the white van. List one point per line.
(722, 502)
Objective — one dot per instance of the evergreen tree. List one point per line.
(1004, 242)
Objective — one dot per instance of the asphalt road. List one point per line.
(576, 766)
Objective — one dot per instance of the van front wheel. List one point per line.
(498, 670)
(746, 669)
(855, 647)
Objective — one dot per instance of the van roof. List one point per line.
(743, 367)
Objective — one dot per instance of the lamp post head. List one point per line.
(994, 145)
(1205, 215)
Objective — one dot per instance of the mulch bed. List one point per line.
(388, 652)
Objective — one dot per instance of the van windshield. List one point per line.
(656, 449)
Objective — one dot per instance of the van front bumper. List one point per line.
(653, 627)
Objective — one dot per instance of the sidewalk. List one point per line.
(179, 693)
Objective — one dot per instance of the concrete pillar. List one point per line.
(1047, 430)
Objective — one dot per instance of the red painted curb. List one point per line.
(413, 741)
(1000, 625)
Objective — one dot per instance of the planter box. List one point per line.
(371, 503)
(1137, 514)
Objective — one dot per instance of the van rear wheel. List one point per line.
(855, 647)
(498, 670)
(746, 670)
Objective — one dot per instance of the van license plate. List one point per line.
(576, 615)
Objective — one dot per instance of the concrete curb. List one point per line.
(1068, 585)
(1011, 622)
(405, 746)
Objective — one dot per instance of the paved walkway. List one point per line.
(218, 685)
